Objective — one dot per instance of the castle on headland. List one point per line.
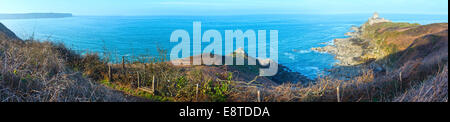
(357, 31)
(376, 19)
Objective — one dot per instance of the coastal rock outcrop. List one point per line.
(350, 50)
(284, 74)
(247, 73)
(344, 49)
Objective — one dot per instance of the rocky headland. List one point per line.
(349, 51)
(383, 46)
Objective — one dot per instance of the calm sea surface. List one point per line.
(142, 35)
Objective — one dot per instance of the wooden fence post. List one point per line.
(123, 62)
(153, 84)
(139, 79)
(338, 94)
(109, 73)
(145, 74)
(259, 96)
(196, 93)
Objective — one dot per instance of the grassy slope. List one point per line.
(391, 38)
(36, 72)
(433, 89)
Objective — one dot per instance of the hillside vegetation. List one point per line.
(394, 62)
(32, 71)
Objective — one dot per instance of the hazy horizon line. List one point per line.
(234, 14)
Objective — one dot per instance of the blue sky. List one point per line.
(223, 7)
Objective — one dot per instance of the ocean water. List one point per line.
(142, 35)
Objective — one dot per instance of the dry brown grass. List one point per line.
(434, 89)
(366, 87)
(32, 71)
(323, 90)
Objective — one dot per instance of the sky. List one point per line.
(223, 7)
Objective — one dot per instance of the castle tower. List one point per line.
(376, 19)
(375, 15)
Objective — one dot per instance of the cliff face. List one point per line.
(6, 34)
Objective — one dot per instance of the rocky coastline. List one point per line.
(354, 51)
(349, 51)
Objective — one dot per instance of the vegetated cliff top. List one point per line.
(414, 53)
(405, 62)
(407, 41)
(392, 37)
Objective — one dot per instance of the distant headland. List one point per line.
(35, 15)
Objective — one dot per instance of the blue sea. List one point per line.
(142, 35)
